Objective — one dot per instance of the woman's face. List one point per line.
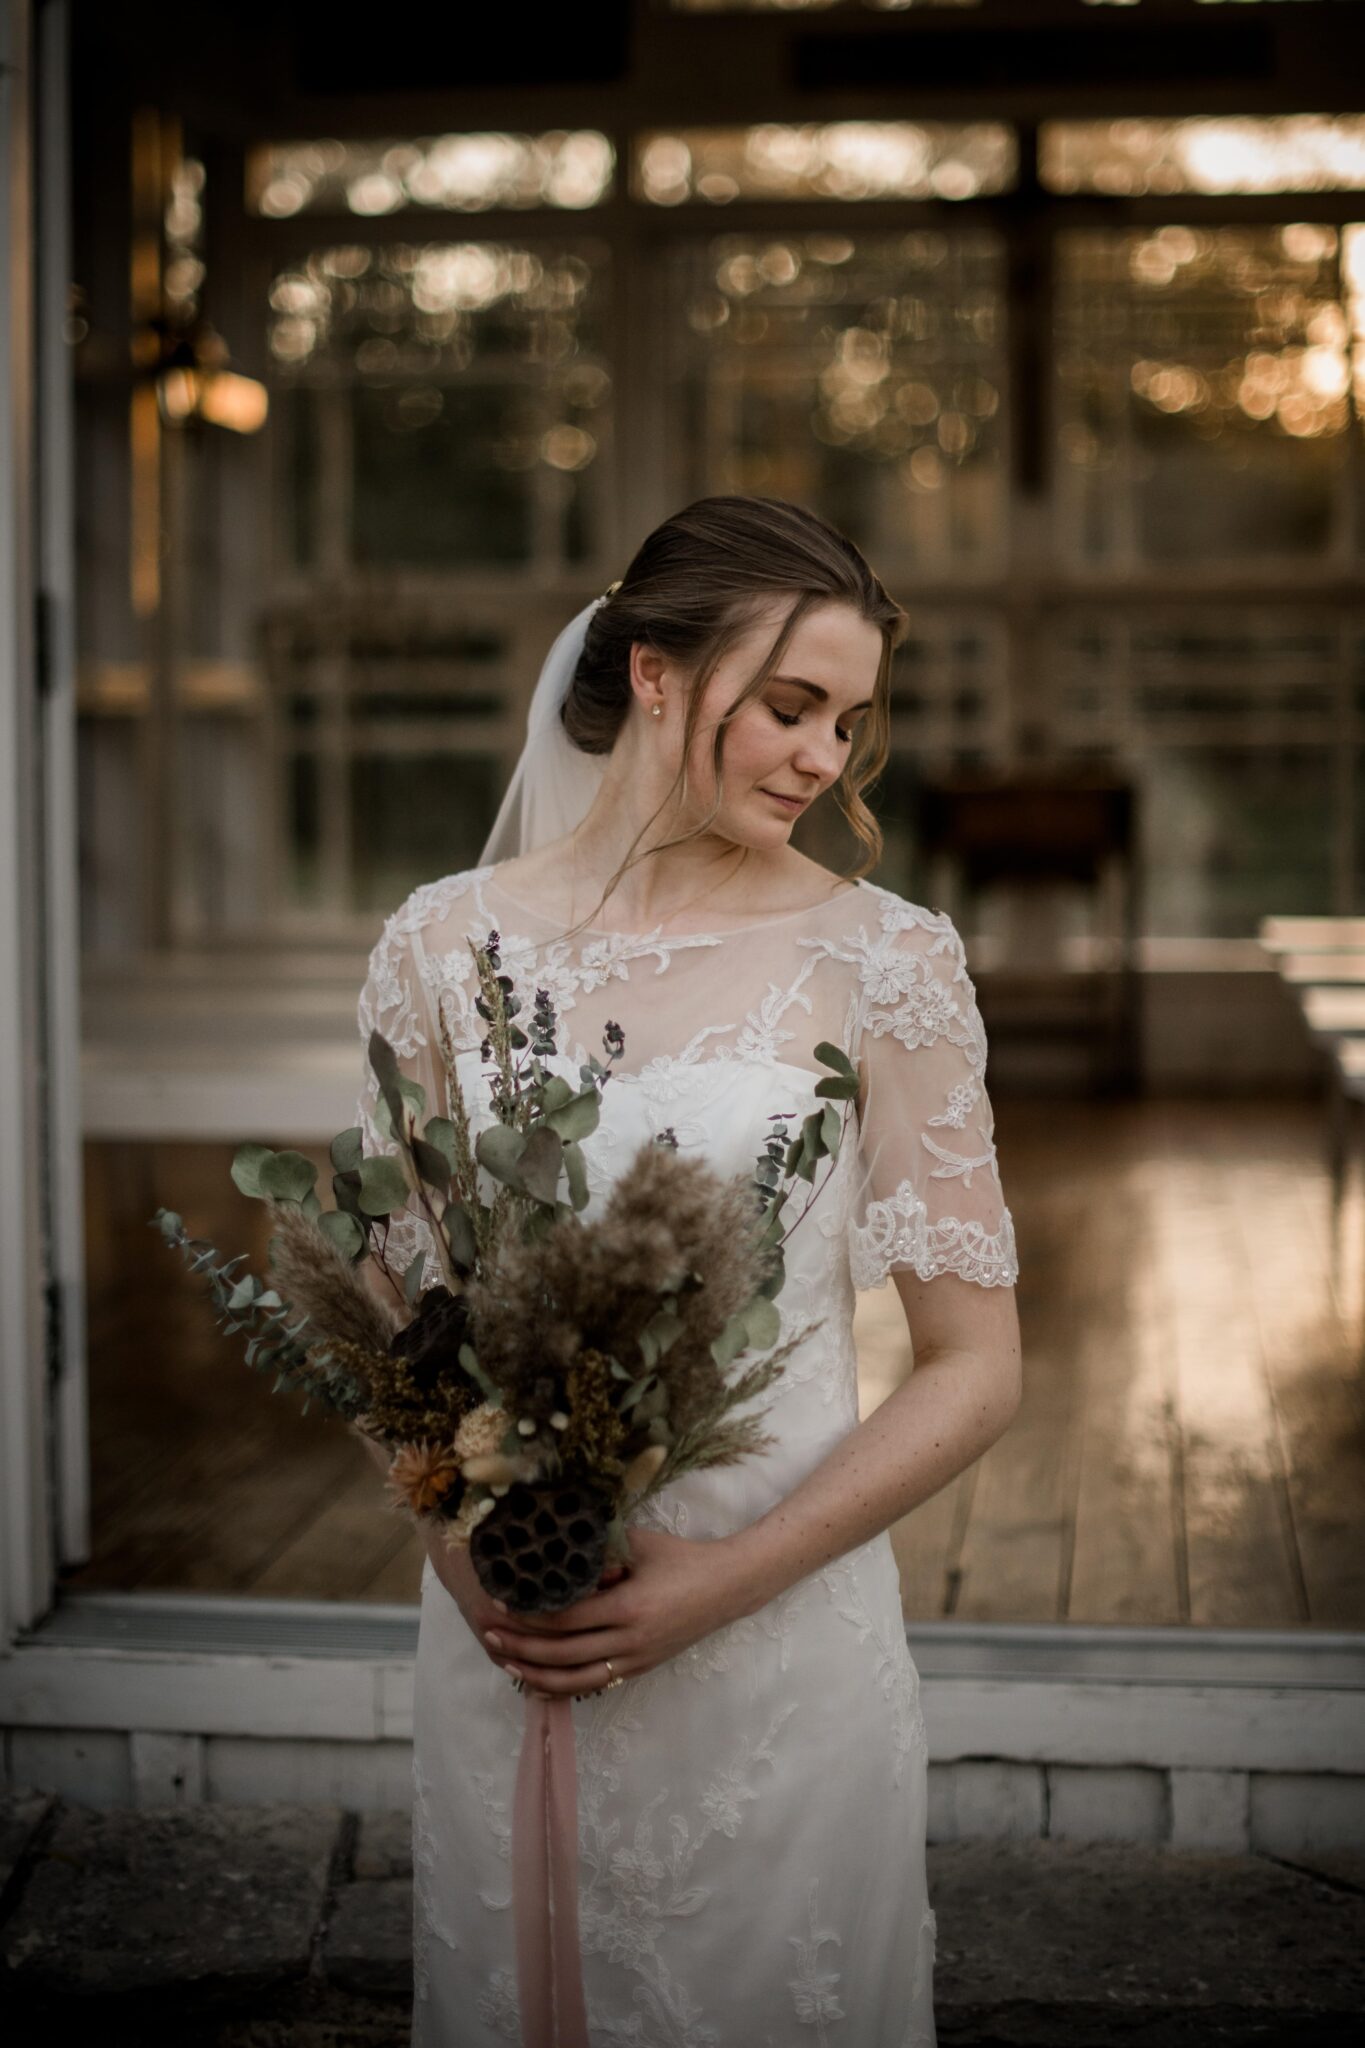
(792, 740)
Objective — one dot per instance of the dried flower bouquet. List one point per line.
(562, 1368)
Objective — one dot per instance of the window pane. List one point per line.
(416, 817)
(432, 482)
(1232, 834)
(1203, 392)
(456, 173)
(445, 404)
(864, 377)
(1232, 723)
(1279, 153)
(852, 160)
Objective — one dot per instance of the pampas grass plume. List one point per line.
(317, 1280)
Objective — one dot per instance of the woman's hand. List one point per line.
(454, 1567)
(675, 1592)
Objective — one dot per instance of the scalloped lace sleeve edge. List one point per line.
(897, 1232)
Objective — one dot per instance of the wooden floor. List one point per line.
(1191, 1446)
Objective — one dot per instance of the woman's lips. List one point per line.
(790, 803)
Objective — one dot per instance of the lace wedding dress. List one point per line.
(751, 1813)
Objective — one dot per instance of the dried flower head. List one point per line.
(481, 1432)
(595, 1432)
(424, 1475)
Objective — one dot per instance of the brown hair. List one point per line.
(691, 591)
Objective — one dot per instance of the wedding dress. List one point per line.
(752, 1812)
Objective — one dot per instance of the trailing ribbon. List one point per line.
(545, 1880)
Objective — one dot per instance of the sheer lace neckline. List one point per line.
(728, 932)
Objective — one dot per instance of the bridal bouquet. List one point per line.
(560, 1369)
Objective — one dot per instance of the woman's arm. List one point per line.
(963, 1393)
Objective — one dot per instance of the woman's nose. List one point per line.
(817, 756)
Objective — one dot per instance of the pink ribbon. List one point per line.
(545, 1880)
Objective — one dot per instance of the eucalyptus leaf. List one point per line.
(840, 1087)
(763, 1322)
(725, 1348)
(833, 1056)
(576, 1167)
(440, 1132)
(459, 1232)
(831, 1130)
(311, 1206)
(246, 1168)
(664, 1329)
(287, 1176)
(499, 1148)
(579, 1117)
(412, 1279)
(541, 1162)
(383, 1186)
(346, 1150)
(555, 1093)
(346, 1191)
(383, 1060)
(343, 1231)
(432, 1164)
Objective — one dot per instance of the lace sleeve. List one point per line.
(393, 1000)
(929, 1196)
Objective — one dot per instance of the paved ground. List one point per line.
(289, 1927)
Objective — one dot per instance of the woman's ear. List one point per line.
(647, 668)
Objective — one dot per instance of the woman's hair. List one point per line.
(694, 587)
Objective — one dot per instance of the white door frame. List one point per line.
(43, 1482)
(56, 528)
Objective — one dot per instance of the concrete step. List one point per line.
(248, 1927)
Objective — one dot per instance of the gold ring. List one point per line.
(613, 1678)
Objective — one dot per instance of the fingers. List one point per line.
(595, 1610)
(540, 1653)
(581, 1681)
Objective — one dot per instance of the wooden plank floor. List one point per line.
(1191, 1446)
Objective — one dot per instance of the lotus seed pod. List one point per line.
(542, 1547)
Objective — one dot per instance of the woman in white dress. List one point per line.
(751, 1800)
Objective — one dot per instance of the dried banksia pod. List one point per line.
(542, 1547)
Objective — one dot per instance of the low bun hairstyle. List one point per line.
(692, 590)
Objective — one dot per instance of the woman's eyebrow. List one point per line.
(818, 692)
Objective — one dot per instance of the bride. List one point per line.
(751, 1753)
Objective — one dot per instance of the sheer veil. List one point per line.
(554, 783)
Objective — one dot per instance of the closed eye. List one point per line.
(794, 718)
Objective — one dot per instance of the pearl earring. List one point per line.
(657, 709)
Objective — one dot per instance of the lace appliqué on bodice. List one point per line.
(903, 982)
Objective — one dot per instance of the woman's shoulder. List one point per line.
(423, 910)
(895, 913)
